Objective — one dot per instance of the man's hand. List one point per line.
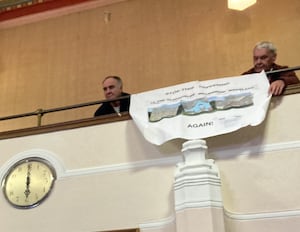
(277, 87)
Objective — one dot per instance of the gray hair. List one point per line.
(118, 79)
(268, 45)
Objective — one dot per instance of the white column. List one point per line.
(197, 188)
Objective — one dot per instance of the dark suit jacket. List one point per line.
(106, 107)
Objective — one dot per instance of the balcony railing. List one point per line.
(39, 113)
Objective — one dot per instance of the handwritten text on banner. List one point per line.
(201, 109)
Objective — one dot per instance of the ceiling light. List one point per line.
(240, 4)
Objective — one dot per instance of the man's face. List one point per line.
(263, 59)
(111, 88)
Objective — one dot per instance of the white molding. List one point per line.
(260, 216)
(239, 149)
(123, 166)
(159, 224)
(162, 223)
(219, 154)
(62, 172)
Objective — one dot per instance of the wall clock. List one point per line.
(28, 182)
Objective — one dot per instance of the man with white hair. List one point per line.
(264, 57)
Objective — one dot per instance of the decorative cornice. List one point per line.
(10, 9)
(52, 11)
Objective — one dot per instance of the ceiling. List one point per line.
(11, 9)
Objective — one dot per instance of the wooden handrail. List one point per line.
(64, 125)
(41, 112)
(283, 70)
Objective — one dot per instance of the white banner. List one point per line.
(201, 109)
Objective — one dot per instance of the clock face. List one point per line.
(28, 182)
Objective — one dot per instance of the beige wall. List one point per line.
(150, 43)
(108, 182)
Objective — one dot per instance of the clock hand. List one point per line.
(27, 181)
(27, 190)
